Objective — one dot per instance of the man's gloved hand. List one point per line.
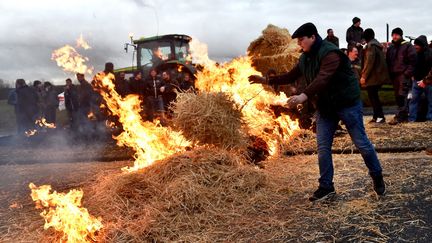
(294, 100)
(256, 79)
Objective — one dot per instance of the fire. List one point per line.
(150, 141)
(91, 116)
(255, 100)
(44, 124)
(82, 43)
(31, 132)
(70, 60)
(63, 212)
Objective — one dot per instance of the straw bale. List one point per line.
(190, 197)
(274, 49)
(209, 119)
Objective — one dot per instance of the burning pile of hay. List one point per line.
(191, 197)
(209, 119)
(274, 49)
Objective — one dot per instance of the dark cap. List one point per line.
(421, 41)
(355, 20)
(307, 29)
(368, 34)
(397, 31)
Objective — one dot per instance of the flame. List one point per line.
(150, 141)
(31, 132)
(70, 60)
(91, 116)
(44, 124)
(64, 213)
(82, 43)
(255, 100)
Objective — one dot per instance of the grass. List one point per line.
(8, 121)
(7, 118)
(386, 95)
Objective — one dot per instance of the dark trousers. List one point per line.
(401, 86)
(50, 114)
(375, 101)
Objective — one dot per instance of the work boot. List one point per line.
(322, 194)
(379, 185)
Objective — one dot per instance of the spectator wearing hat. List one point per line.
(401, 59)
(374, 73)
(334, 87)
(421, 70)
(354, 33)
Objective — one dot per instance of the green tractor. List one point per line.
(164, 53)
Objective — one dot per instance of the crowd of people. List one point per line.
(82, 101)
(407, 66)
(32, 103)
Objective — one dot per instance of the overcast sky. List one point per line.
(30, 30)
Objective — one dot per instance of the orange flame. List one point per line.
(150, 141)
(43, 123)
(82, 43)
(70, 60)
(232, 78)
(65, 214)
(31, 132)
(91, 116)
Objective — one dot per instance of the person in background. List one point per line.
(332, 38)
(169, 91)
(85, 91)
(374, 73)
(136, 83)
(401, 59)
(12, 100)
(153, 95)
(71, 103)
(121, 84)
(422, 67)
(187, 83)
(353, 56)
(26, 106)
(51, 103)
(335, 88)
(40, 91)
(354, 34)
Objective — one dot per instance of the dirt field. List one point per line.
(355, 215)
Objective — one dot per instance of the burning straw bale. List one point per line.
(274, 49)
(209, 119)
(191, 197)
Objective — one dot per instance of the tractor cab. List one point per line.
(164, 53)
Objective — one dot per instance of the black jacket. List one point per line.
(424, 59)
(85, 93)
(51, 98)
(354, 35)
(401, 58)
(71, 98)
(27, 101)
(152, 87)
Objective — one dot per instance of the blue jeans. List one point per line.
(326, 127)
(414, 103)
